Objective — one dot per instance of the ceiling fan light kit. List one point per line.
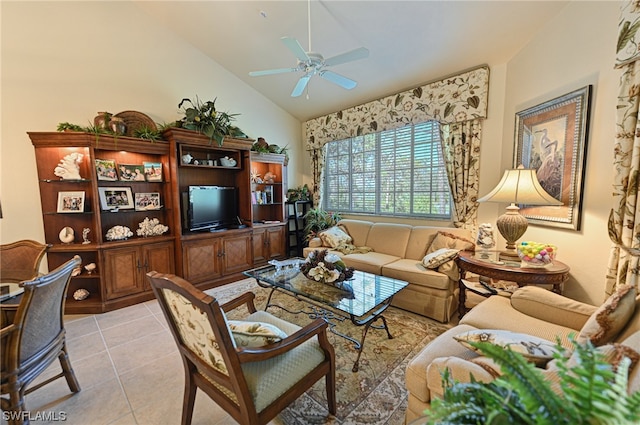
(312, 63)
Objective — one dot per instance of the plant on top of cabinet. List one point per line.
(204, 118)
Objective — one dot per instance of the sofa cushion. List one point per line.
(497, 310)
(449, 240)
(389, 238)
(534, 349)
(610, 318)
(334, 236)
(371, 262)
(414, 272)
(439, 257)
(357, 229)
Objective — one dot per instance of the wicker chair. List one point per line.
(35, 339)
(252, 384)
(20, 260)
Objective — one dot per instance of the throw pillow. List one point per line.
(254, 334)
(449, 240)
(439, 257)
(335, 236)
(612, 354)
(534, 349)
(609, 319)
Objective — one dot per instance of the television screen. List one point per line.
(210, 207)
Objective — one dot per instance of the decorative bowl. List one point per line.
(536, 254)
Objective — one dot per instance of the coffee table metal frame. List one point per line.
(370, 297)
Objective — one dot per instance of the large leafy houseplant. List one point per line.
(317, 219)
(592, 392)
(204, 118)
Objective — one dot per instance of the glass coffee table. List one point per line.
(363, 299)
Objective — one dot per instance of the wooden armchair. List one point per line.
(253, 384)
(20, 260)
(35, 339)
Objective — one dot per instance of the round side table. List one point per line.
(555, 274)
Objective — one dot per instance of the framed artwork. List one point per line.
(131, 173)
(147, 201)
(71, 202)
(115, 198)
(153, 171)
(552, 139)
(106, 170)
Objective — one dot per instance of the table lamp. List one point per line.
(518, 186)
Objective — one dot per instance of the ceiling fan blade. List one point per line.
(272, 71)
(296, 48)
(338, 79)
(302, 83)
(359, 53)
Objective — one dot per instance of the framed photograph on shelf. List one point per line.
(106, 170)
(71, 202)
(131, 173)
(115, 198)
(552, 139)
(153, 171)
(147, 201)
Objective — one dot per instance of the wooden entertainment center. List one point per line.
(205, 258)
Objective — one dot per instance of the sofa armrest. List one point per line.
(315, 243)
(545, 305)
(460, 370)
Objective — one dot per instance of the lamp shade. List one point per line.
(520, 186)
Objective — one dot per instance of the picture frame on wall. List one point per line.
(552, 139)
(71, 202)
(147, 201)
(115, 198)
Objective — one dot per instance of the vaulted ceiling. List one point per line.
(410, 42)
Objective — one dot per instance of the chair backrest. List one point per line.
(41, 310)
(200, 330)
(20, 260)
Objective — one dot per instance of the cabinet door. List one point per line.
(122, 271)
(201, 260)
(158, 257)
(237, 255)
(276, 241)
(260, 247)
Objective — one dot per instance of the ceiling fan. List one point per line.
(312, 63)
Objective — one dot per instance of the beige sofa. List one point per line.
(530, 310)
(397, 252)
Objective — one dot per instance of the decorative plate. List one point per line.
(135, 120)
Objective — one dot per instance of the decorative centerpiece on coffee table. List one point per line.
(322, 266)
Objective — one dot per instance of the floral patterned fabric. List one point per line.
(195, 330)
(624, 221)
(456, 99)
(460, 100)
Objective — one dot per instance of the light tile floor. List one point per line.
(129, 371)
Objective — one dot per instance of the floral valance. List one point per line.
(457, 98)
(628, 48)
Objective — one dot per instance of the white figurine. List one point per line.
(85, 236)
(485, 237)
(69, 167)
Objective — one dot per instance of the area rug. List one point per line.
(373, 395)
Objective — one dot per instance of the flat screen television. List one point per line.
(210, 207)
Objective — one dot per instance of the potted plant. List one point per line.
(317, 219)
(67, 126)
(204, 118)
(592, 392)
(300, 193)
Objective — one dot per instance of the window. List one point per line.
(393, 173)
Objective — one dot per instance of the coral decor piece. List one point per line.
(80, 294)
(118, 233)
(69, 167)
(151, 227)
(324, 267)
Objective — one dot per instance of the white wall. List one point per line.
(65, 61)
(573, 50)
